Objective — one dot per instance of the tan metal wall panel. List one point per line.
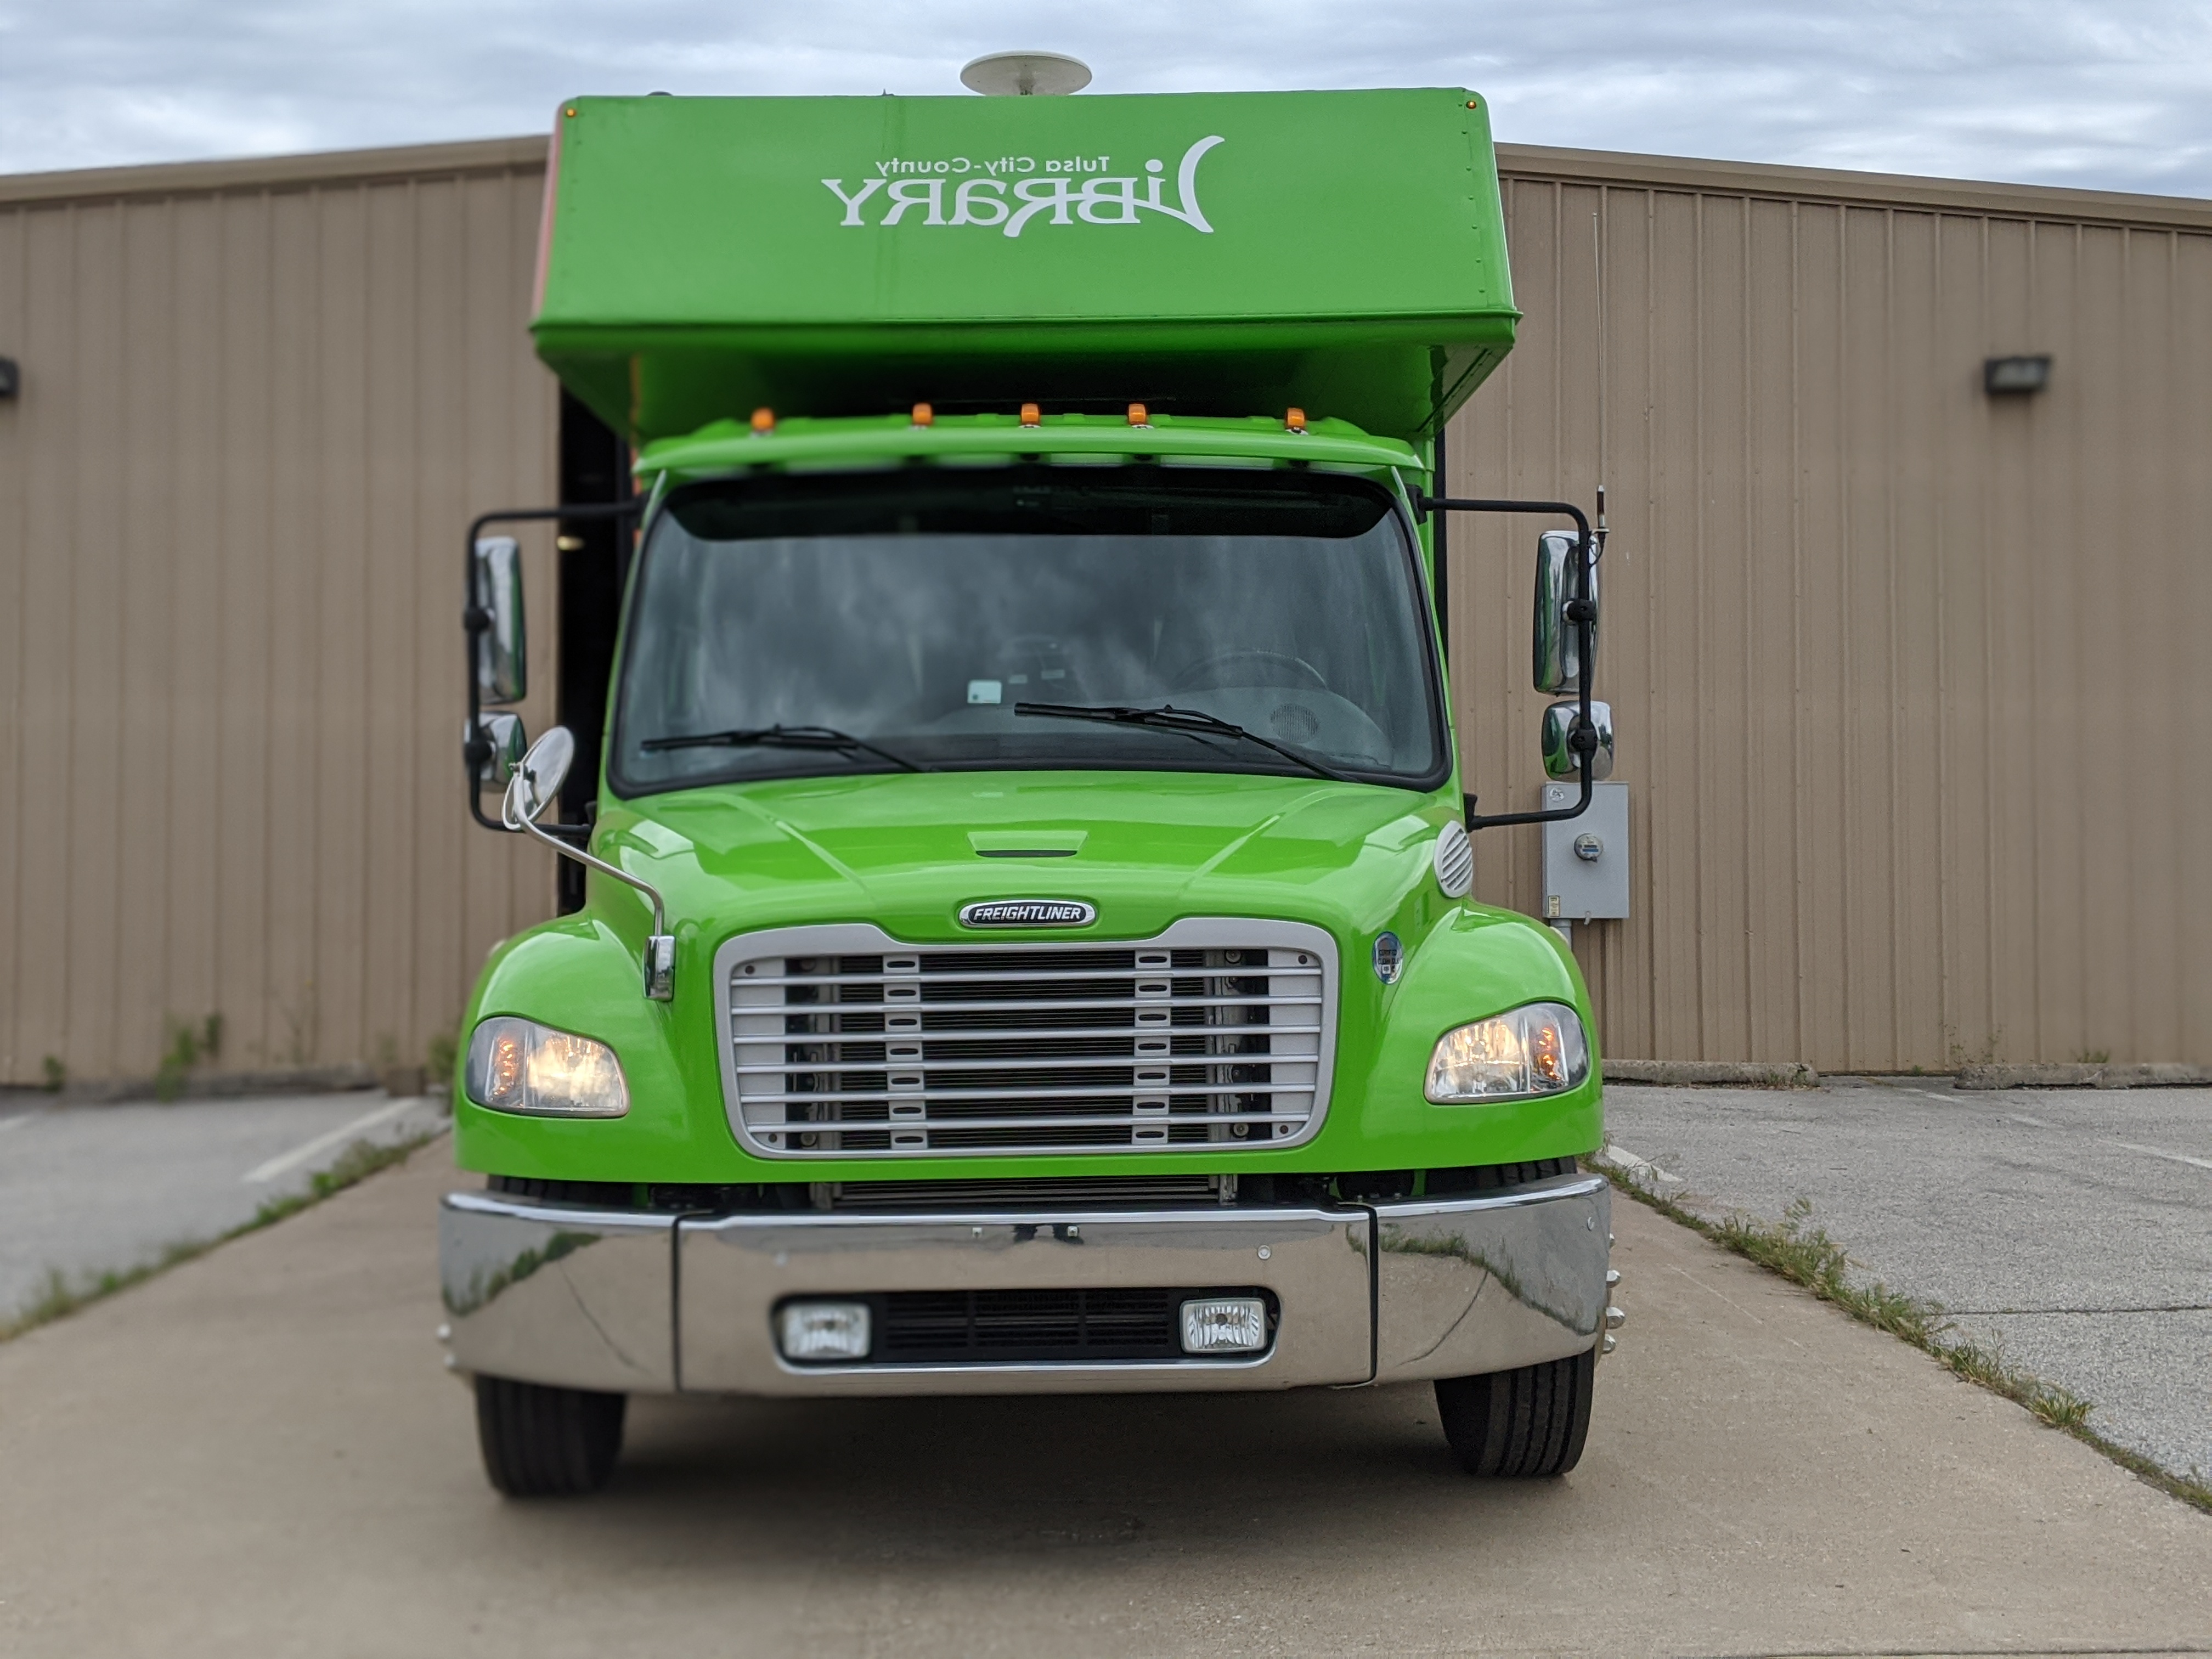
(255, 420)
(1893, 663)
(1885, 654)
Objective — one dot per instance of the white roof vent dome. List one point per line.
(1025, 73)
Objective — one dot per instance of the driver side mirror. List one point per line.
(1558, 644)
(502, 640)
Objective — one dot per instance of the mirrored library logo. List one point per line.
(985, 200)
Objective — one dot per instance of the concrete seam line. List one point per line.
(221, 1086)
(1782, 1073)
(2041, 1312)
(2084, 1075)
(1612, 1157)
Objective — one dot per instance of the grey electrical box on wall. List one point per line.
(1586, 858)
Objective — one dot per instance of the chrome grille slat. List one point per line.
(1001, 1007)
(1092, 1091)
(1051, 1034)
(1043, 1063)
(839, 1041)
(1071, 1120)
(987, 976)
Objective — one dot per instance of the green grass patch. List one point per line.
(1806, 1255)
(62, 1296)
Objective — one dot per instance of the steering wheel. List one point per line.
(1206, 674)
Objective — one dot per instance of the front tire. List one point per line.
(1529, 1422)
(547, 1442)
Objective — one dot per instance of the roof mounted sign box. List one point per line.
(1210, 253)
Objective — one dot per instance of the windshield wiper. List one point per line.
(1193, 722)
(825, 738)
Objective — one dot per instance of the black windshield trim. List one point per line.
(1181, 479)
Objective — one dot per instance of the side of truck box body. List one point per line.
(1029, 740)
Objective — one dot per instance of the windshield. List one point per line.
(910, 614)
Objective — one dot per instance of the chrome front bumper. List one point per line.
(630, 1303)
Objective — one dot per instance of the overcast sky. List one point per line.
(2117, 95)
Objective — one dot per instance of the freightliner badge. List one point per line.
(1028, 913)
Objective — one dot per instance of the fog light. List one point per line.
(1225, 1324)
(823, 1330)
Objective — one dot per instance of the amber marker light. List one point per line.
(1294, 421)
(1137, 416)
(1029, 415)
(763, 420)
(923, 414)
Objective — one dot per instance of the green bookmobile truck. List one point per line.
(1027, 944)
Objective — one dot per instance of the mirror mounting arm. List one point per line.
(1581, 610)
(660, 944)
(476, 621)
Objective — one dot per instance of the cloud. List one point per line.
(2057, 92)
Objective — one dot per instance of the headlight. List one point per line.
(1535, 1050)
(520, 1066)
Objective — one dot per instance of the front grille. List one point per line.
(842, 1041)
(990, 1328)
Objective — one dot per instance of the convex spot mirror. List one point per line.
(505, 742)
(502, 644)
(1560, 760)
(1558, 642)
(538, 779)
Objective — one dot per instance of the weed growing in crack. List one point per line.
(1806, 1255)
(1985, 1366)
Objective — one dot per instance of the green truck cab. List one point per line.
(1027, 943)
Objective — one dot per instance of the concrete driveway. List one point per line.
(259, 1454)
(92, 1188)
(2073, 1228)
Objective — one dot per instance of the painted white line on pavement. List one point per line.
(299, 1155)
(2172, 1157)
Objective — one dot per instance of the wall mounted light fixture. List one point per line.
(2012, 377)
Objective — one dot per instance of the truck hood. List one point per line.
(907, 851)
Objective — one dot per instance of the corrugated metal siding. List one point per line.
(1905, 679)
(1904, 676)
(255, 420)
